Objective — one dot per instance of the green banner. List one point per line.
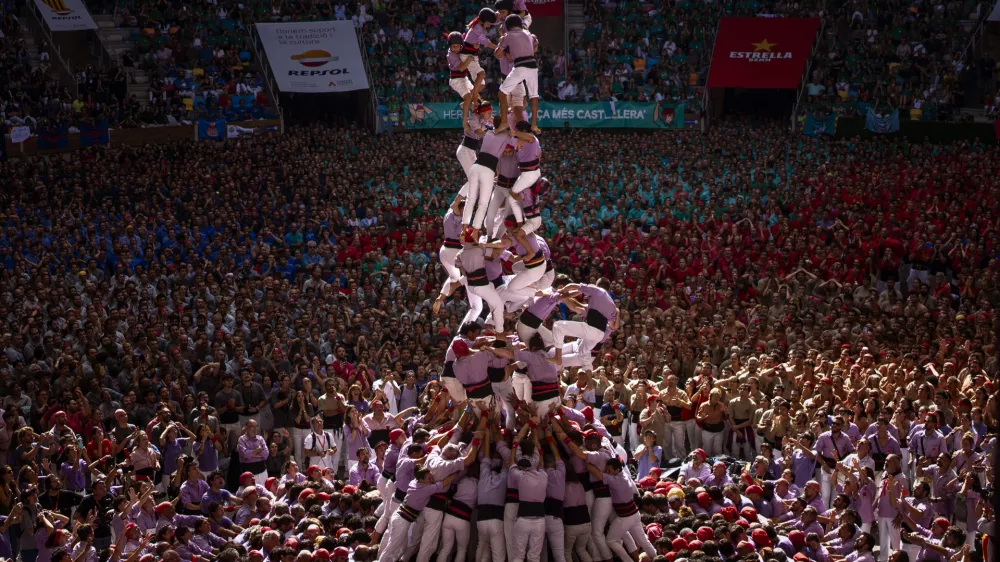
(594, 115)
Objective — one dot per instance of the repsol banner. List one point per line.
(594, 115)
(65, 15)
(314, 57)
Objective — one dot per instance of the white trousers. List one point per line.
(385, 487)
(590, 337)
(555, 534)
(522, 287)
(526, 180)
(509, 519)
(433, 521)
(337, 438)
(455, 388)
(522, 386)
(547, 279)
(524, 333)
(462, 86)
(888, 538)
(491, 546)
(475, 304)
(518, 75)
(396, 540)
(577, 539)
(489, 294)
(599, 515)
(712, 442)
(529, 537)
(447, 258)
(466, 158)
(631, 525)
(298, 436)
(503, 391)
(675, 437)
(826, 487)
(454, 532)
(530, 224)
(494, 212)
(391, 505)
(480, 193)
(693, 434)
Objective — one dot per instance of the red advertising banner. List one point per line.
(761, 52)
(544, 8)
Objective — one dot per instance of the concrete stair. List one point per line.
(117, 40)
(574, 18)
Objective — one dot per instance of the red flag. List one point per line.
(761, 52)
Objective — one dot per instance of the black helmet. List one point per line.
(504, 5)
(487, 15)
(455, 38)
(513, 21)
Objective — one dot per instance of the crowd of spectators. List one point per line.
(853, 278)
(914, 57)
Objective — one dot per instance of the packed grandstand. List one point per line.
(571, 290)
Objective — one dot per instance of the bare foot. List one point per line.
(536, 130)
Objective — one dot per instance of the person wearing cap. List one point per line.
(386, 484)
(602, 319)
(471, 369)
(695, 467)
(253, 452)
(627, 520)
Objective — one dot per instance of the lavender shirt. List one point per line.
(192, 492)
(519, 43)
(452, 225)
(543, 306)
(75, 476)
(600, 301)
(420, 493)
(539, 370)
(621, 486)
(555, 488)
(208, 456)
(530, 484)
(507, 167)
(492, 486)
(476, 36)
(246, 446)
(370, 472)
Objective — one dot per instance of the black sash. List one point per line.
(480, 389)
(544, 390)
(575, 515)
(488, 161)
(255, 467)
(525, 62)
(531, 509)
(408, 513)
(496, 374)
(477, 278)
(597, 320)
(460, 510)
(530, 320)
(474, 144)
(626, 509)
(487, 512)
(554, 508)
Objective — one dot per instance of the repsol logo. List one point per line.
(331, 72)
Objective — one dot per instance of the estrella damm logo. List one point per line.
(58, 6)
